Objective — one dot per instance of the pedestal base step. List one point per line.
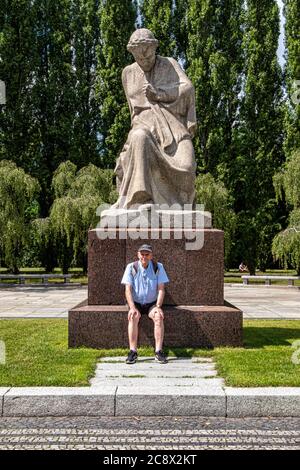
(105, 326)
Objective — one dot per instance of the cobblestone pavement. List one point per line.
(255, 302)
(182, 433)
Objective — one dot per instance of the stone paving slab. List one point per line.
(265, 401)
(154, 367)
(136, 383)
(126, 373)
(146, 359)
(182, 372)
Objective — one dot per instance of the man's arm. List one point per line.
(161, 295)
(128, 295)
(160, 299)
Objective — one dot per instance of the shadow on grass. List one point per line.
(254, 338)
(180, 352)
(259, 337)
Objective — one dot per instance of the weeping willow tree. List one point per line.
(286, 244)
(73, 213)
(18, 206)
(216, 199)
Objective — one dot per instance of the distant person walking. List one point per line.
(243, 268)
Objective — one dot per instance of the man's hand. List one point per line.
(150, 92)
(133, 312)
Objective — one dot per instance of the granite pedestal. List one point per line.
(105, 326)
(195, 314)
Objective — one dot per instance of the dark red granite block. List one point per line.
(205, 271)
(185, 326)
(106, 261)
(196, 276)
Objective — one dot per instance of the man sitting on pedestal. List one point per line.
(145, 290)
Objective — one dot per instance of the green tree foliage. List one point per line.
(48, 61)
(214, 64)
(19, 139)
(158, 16)
(86, 145)
(180, 29)
(260, 136)
(292, 76)
(54, 89)
(217, 200)
(35, 50)
(117, 23)
(73, 213)
(18, 206)
(286, 244)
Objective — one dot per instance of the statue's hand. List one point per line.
(150, 92)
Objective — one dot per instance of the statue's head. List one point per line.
(142, 45)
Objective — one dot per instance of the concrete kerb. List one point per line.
(59, 401)
(146, 401)
(262, 402)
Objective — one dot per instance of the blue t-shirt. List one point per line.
(145, 282)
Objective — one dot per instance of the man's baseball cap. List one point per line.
(145, 248)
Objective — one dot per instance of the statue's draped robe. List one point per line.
(157, 163)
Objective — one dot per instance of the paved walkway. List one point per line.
(265, 302)
(179, 372)
(255, 302)
(39, 302)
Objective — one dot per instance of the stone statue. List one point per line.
(157, 164)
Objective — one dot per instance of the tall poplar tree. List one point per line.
(86, 146)
(180, 29)
(158, 16)
(260, 136)
(215, 63)
(292, 76)
(19, 139)
(54, 89)
(117, 23)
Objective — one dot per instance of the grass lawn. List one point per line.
(37, 354)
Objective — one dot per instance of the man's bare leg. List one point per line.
(157, 316)
(133, 329)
